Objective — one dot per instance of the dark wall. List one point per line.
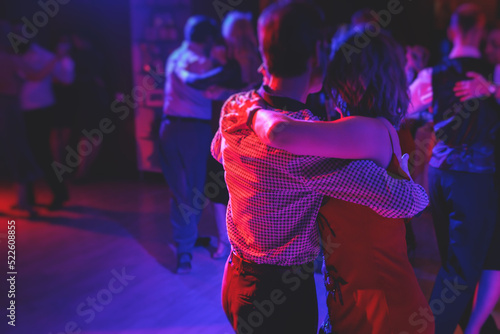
(413, 25)
(216, 8)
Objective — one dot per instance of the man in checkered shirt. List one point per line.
(275, 196)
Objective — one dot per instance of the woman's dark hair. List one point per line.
(366, 75)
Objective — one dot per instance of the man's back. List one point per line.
(181, 100)
(269, 195)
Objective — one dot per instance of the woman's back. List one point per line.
(371, 285)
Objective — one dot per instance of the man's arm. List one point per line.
(204, 80)
(363, 182)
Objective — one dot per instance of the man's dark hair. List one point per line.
(288, 33)
(467, 16)
(199, 28)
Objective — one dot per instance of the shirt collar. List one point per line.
(465, 52)
(280, 102)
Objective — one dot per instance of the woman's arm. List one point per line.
(348, 138)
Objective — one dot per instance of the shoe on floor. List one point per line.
(184, 263)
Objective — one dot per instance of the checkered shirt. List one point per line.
(275, 196)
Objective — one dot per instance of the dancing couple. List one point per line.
(297, 184)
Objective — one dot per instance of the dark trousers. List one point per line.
(184, 147)
(464, 210)
(38, 126)
(267, 299)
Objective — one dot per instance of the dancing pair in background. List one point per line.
(201, 73)
(464, 197)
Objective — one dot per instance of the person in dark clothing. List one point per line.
(15, 152)
(40, 68)
(488, 288)
(461, 174)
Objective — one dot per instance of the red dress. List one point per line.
(371, 285)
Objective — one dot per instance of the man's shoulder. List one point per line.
(242, 100)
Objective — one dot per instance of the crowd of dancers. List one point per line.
(301, 183)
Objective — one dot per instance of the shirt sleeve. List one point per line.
(363, 182)
(216, 146)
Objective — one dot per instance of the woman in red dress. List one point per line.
(370, 283)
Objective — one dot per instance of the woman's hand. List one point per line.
(404, 164)
(477, 87)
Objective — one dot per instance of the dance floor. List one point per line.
(104, 265)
